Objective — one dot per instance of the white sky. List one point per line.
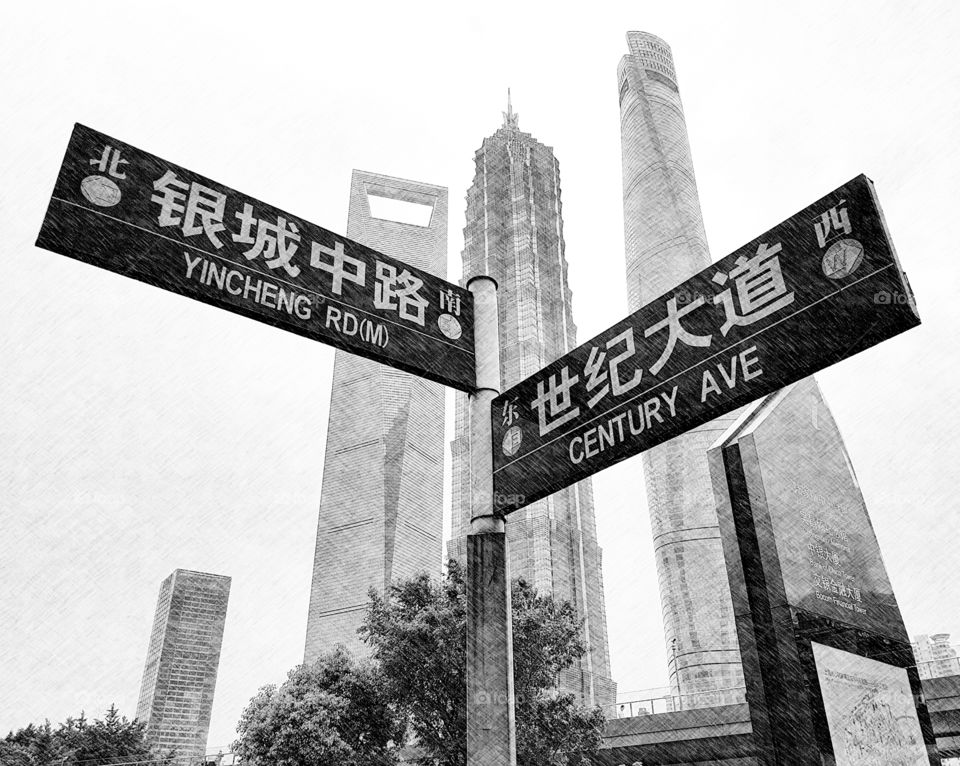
(140, 431)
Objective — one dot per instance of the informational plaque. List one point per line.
(870, 710)
(829, 558)
(827, 663)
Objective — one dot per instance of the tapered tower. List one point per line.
(514, 233)
(665, 244)
(381, 502)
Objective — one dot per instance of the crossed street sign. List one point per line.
(820, 287)
(127, 211)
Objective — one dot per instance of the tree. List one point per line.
(76, 742)
(282, 728)
(111, 739)
(28, 746)
(418, 637)
(330, 713)
(551, 729)
(12, 754)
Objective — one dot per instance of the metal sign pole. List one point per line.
(491, 726)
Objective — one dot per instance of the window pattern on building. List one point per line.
(514, 233)
(665, 244)
(180, 675)
(381, 501)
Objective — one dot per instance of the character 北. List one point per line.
(128, 211)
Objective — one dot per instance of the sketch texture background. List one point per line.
(140, 432)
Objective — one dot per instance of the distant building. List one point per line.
(514, 233)
(935, 656)
(381, 502)
(665, 244)
(180, 675)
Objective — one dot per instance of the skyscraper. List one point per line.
(935, 656)
(514, 233)
(180, 675)
(381, 502)
(665, 244)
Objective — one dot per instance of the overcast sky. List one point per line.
(141, 432)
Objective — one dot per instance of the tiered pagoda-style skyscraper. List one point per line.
(514, 233)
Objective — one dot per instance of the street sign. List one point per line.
(820, 287)
(127, 211)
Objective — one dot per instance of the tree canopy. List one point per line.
(343, 713)
(329, 713)
(77, 742)
(418, 637)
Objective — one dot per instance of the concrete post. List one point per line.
(491, 726)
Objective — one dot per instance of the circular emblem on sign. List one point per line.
(449, 326)
(842, 258)
(511, 441)
(100, 190)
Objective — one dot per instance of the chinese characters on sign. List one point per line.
(829, 557)
(803, 296)
(148, 219)
(793, 301)
(759, 292)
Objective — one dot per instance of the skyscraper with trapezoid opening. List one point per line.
(381, 502)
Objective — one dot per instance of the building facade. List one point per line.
(180, 676)
(935, 656)
(665, 244)
(381, 502)
(514, 233)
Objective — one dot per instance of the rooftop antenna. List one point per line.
(509, 117)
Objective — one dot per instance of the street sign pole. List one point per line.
(491, 725)
(814, 290)
(125, 210)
